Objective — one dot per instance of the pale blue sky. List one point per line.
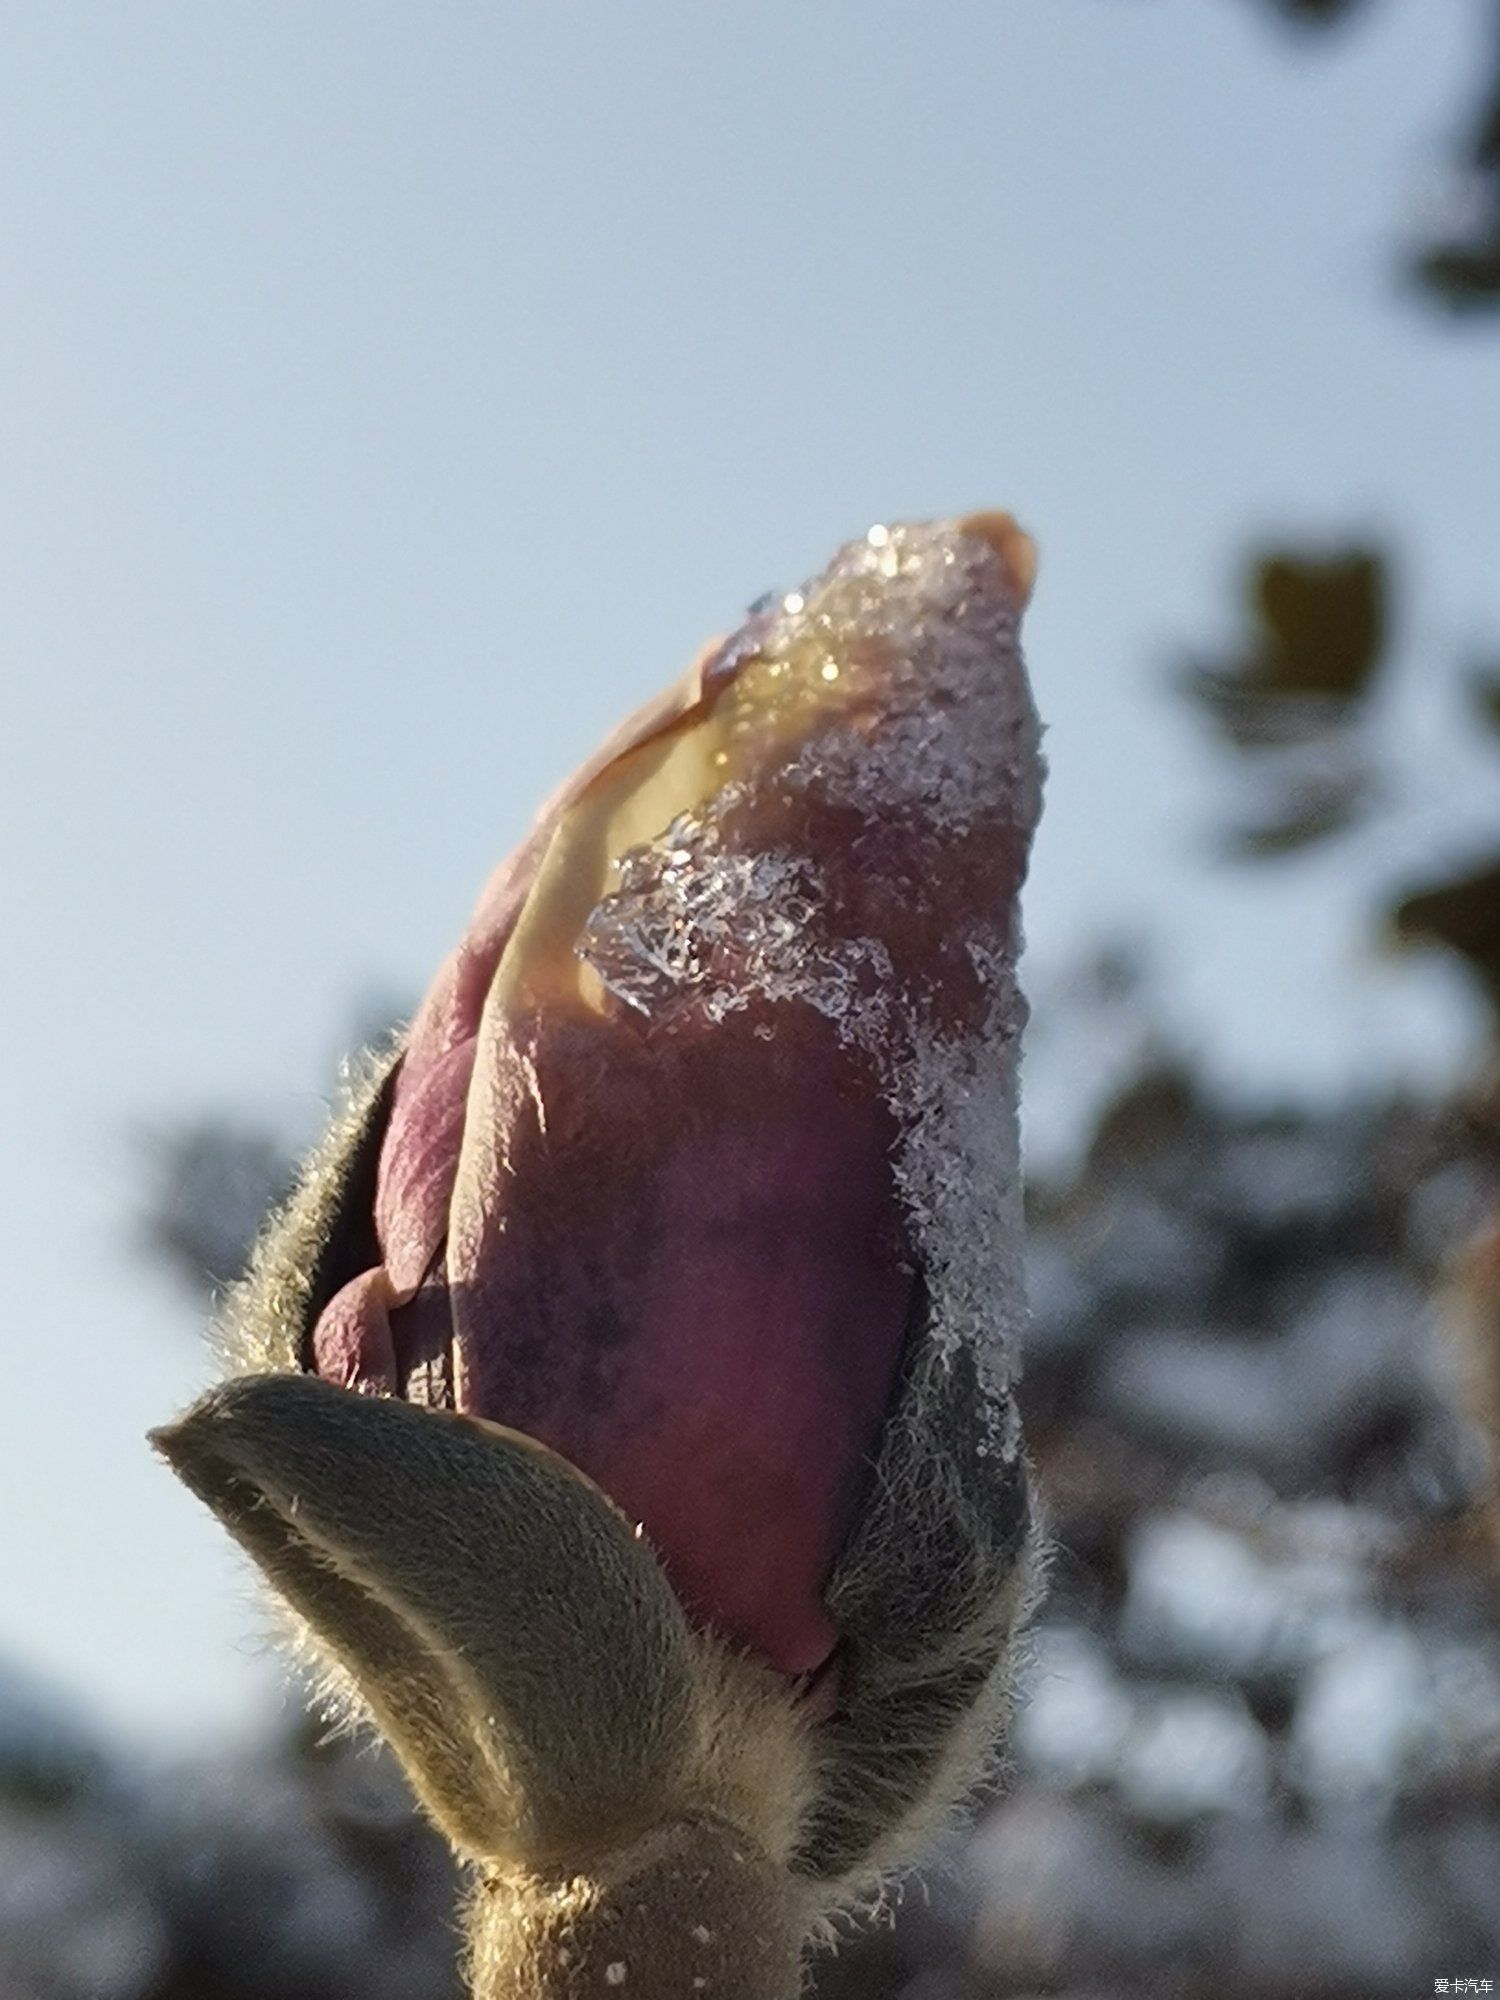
(391, 395)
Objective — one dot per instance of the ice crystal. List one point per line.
(957, 738)
(888, 691)
(689, 916)
(959, 1171)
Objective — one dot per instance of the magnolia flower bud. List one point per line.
(697, 1174)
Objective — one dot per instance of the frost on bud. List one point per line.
(698, 1171)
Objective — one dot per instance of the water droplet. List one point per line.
(830, 671)
(794, 602)
(878, 536)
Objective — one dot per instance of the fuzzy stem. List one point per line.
(696, 1910)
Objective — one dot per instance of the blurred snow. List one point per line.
(1192, 1753)
(1072, 1725)
(1203, 1597)
(294, 1874)
(1260, 1753)
(46, 1752)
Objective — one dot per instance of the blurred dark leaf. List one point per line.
(48, 1756)
(1462, 915)
(1148, 1115)
(1306, 795)
(1320, 632)
(1302, 827)
(1465, 277)
(212, 1186)
(1316, 13)
(1112, 976)
(213, 1181)
(1486, 147)
(1484, 690)
(1324, 621)
(1253, 720)
(1295, 694)
(1462, 271)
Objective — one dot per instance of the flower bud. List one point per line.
(698, 1169)
(662, 1148)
